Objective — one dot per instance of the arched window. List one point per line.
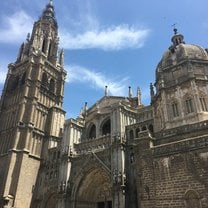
(203, 103)
(44, 80)
(49, 50)
(44, 46)
(106, 127)
(52, 85)
(23, 79)
(92, 131)
(189, 105)
(175, 111)
(131, 134)
(192, 199)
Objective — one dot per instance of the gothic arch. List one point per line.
(203, 99)
(91, 188)
(23, 78)
(91, 132)
(189, 104)
(44, 45)
(106, 126)
(44, 80)
(52, 85)
(192, 199)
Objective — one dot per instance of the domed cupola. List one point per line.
(181, 85)
(177, 56)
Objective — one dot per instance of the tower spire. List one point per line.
(49, 13)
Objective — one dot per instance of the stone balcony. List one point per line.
(92, 145)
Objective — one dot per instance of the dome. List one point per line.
(180, 51)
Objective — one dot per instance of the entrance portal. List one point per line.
(94, 190)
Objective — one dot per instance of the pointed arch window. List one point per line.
(52, 85)
(175, 110)
(44, 46)
(203, 103)
(106, 127)
(44, 80)
(92, 131)
(49, 50)
(189, 105)
(23, 78)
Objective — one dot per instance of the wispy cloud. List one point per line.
(2, 77)
(96, 79)
(109, 38)
(15, 27)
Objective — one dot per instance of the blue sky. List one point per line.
(107, 42)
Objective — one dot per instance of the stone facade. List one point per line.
(31, 112)
(116, 154)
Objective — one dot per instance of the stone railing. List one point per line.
(181, 146)
(182, 129)
(100, 143)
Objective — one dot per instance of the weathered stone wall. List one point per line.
(174, 180)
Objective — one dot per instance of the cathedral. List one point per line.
(117, 153)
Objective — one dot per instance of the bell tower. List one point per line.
(31, 111)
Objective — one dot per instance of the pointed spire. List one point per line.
(106, 90)
(139, 96)
(130, 92)
(61, 58)
(28, 37)
(49, 13)
(51, 2)
(152, 92)
(85, 107)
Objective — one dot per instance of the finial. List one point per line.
(61, 57)
(130, 92)
(139, 96)
(51, 2)
(176, 39)
(106, 90)
(85, 107)
(152, 92)
(28, 37)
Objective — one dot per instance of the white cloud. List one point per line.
(110, 38)
(96, 79)
(15, 27)
(2, 77)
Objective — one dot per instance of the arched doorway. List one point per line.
(94, 190)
